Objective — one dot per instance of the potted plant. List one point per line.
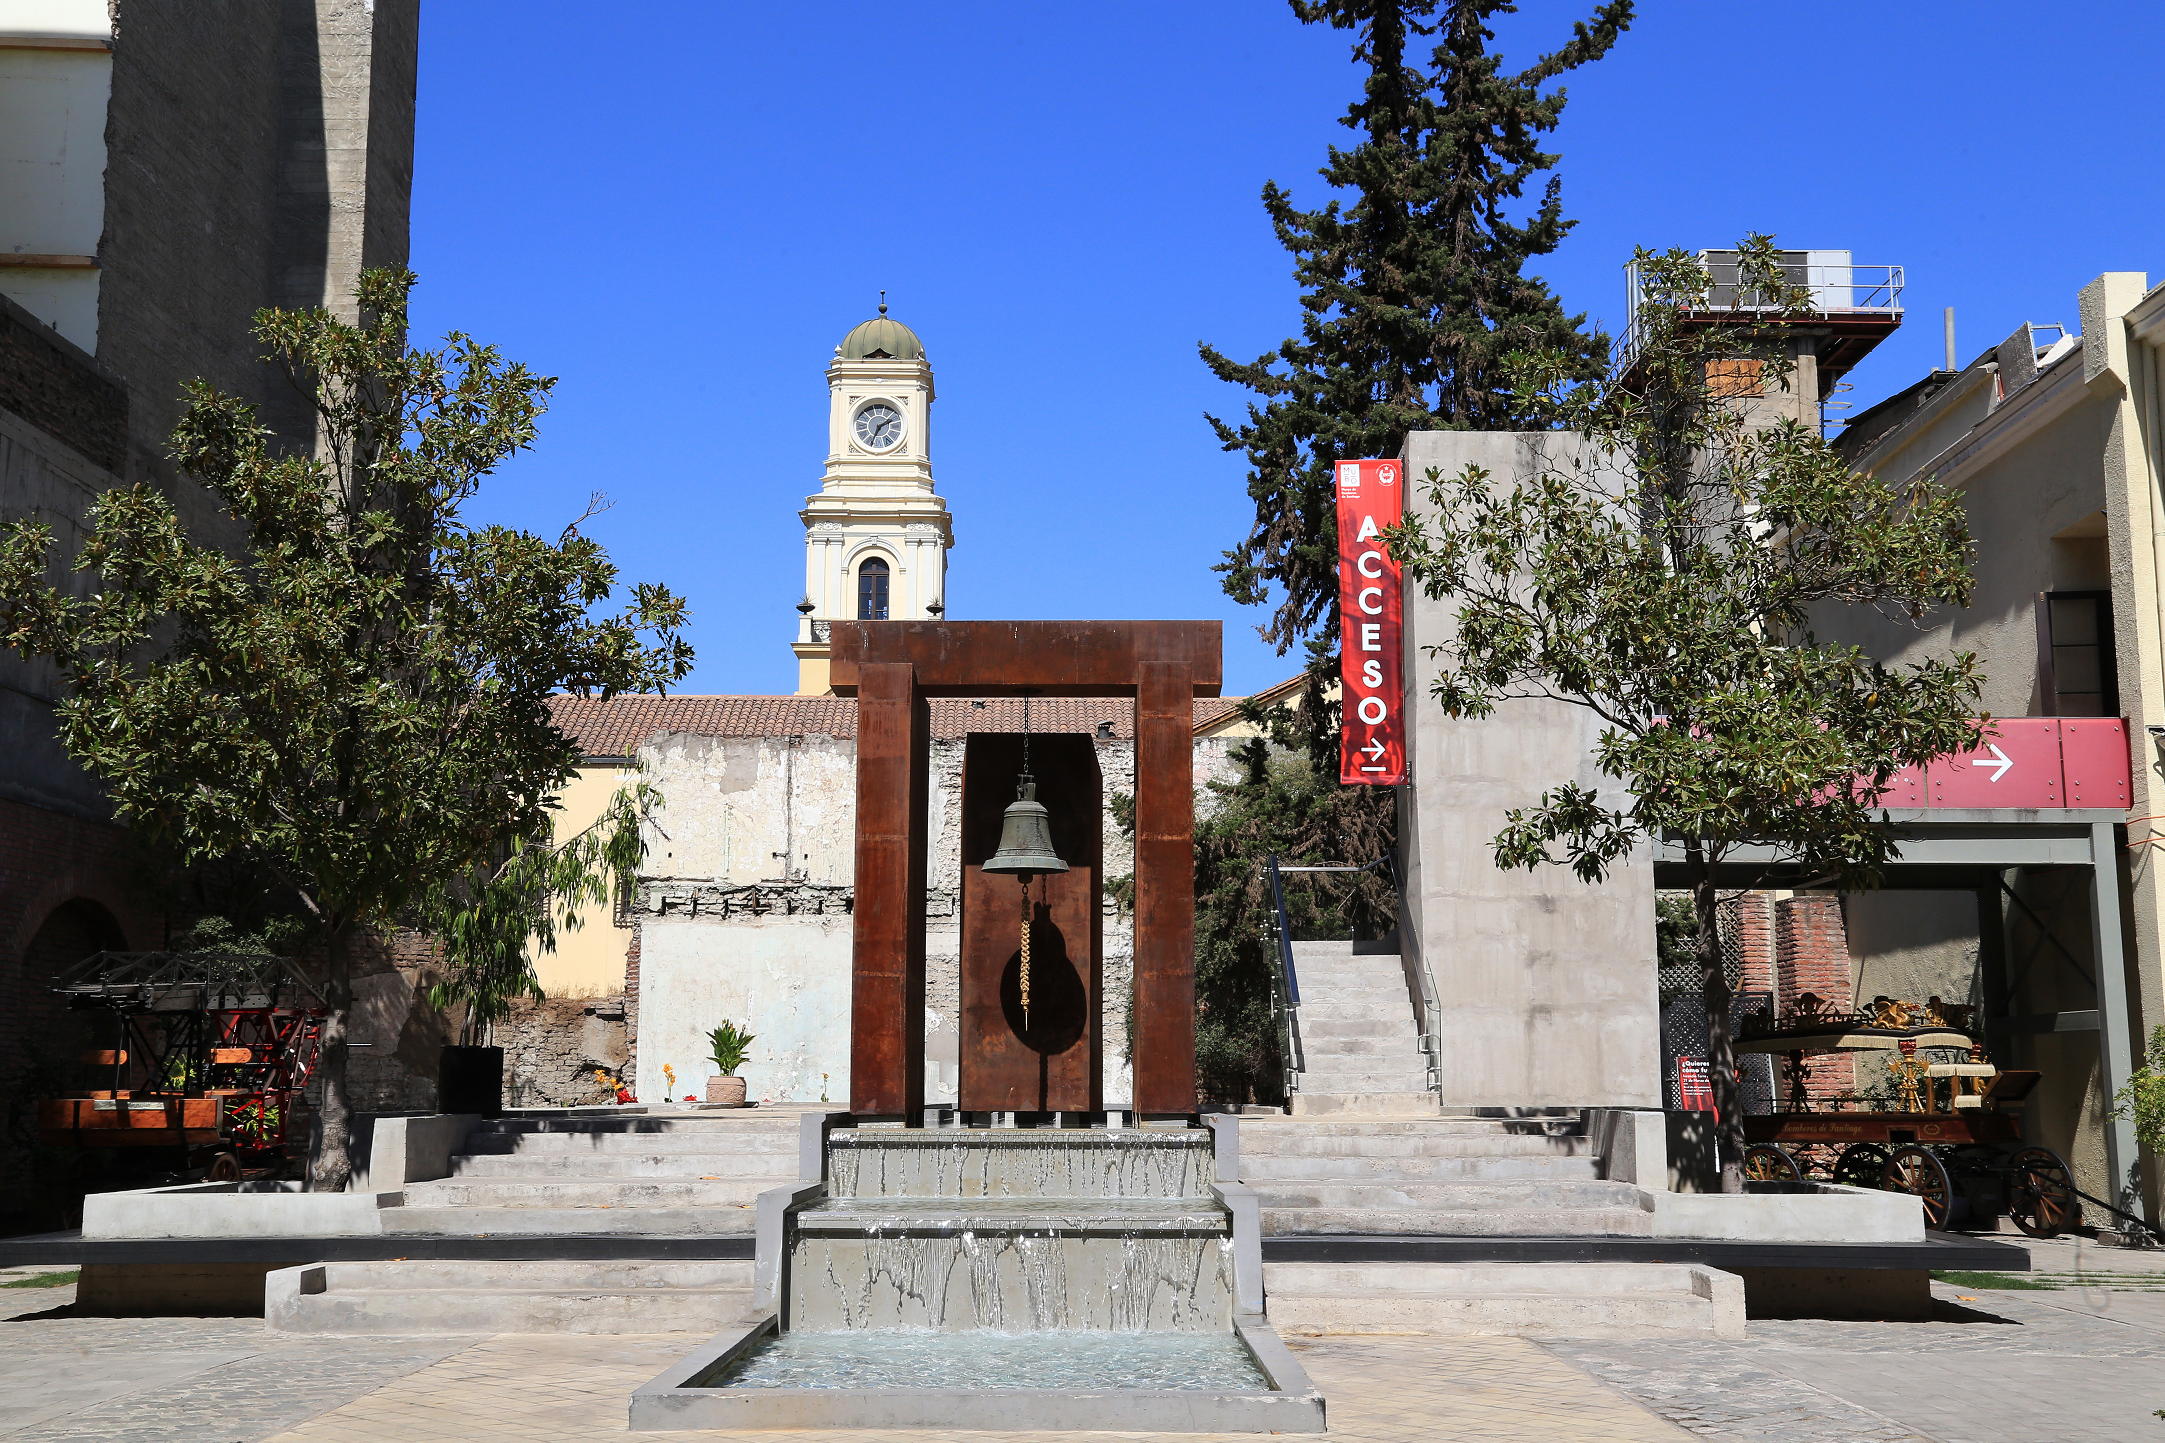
(725, 1088)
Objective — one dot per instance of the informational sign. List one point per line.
(1694, 1091)
(1370, 623)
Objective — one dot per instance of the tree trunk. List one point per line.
(331, 1169)
(1721, 1058)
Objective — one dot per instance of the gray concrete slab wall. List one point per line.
(1547, 984)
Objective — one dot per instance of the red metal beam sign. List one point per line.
(1373, 747)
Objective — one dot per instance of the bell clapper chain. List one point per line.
(1026, 951)
(1025, 876)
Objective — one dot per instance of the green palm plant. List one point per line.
(729, 1048)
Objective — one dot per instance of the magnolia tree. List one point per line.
(354, 701)
(1666, 578)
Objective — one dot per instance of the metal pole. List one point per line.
(2112, 1021)
(1950, 338)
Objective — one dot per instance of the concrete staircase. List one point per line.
(508, 1297)
(1479, 1177)
(662, 1173)
(1572, 1300)
(1360, 1043)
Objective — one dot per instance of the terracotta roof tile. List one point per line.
(619, 726)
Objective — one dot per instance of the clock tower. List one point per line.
(876, 534)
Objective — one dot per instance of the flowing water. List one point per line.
(899, 1358)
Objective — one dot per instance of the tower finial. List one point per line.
(883, 303)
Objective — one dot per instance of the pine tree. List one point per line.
(1412, 295)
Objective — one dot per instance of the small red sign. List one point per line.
(2094, 759)
(1371, 650)
(2016, 765)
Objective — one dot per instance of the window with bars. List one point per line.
(2076, 675)
(872, 590)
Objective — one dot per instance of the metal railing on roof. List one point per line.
(1838, 286)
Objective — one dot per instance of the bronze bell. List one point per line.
(1026, 838)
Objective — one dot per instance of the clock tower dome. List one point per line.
(876, 534)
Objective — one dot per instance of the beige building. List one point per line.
(2052, 439)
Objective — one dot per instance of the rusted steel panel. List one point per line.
(1164, 1041)
(1016, 658)
(887, 1013)
(1055, 1064)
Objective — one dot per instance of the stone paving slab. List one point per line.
(178, 1380)
(1998, 1366)
(1387, 1390)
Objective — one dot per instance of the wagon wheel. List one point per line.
(225, 1167)
(1860, 1165)
(1764, 1162)
(1913, 1169)
(2040, 1193)
(1815, 1159)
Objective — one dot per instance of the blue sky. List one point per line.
(679, 209)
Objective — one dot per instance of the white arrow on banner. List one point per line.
(1374, 748)
(1998, 768)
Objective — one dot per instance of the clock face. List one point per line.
(879, 426)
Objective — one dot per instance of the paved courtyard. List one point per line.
(2071, 1364)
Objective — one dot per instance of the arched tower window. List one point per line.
(872, 590)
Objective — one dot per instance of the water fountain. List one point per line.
(1092, 1276)
(1000, 1278)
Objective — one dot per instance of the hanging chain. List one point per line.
(1025, 745)
(1026, 952)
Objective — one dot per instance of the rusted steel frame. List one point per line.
(887, 957)
(1017, 658)
(1164, 1042)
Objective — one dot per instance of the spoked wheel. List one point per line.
(1815, 1159)
(1764, 1162)
(2040, 1193)
(225, 1167)
(1862, 1164)
(1913, 1169)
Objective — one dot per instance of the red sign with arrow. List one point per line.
(1372, 749)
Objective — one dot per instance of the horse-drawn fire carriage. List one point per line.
(1959, 1150)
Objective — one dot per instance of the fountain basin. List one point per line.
(1242, 1380)
(1030, 1163)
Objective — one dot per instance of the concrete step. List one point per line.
(750, 1144)
(1501, 1196)
(1477, 1223)
(553, 1166)
(1311, 1141)
(496, 1297)
(1581, 1300)
(1331, 1027)
(639, 1192)
(1271, 1127)
(1398, 1046)
(1361, 1074)
(736, 1221)
(1380, 1104)
(1525, 1168)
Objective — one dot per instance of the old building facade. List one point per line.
(165, 171)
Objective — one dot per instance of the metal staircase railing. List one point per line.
(1286, 982)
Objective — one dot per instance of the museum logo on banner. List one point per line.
(1373, 748)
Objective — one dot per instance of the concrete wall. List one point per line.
(1547, 984)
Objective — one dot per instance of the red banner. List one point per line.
(1372, 666)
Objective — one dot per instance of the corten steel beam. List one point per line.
(1164, 1039)
(1036, 658)
(887, 959)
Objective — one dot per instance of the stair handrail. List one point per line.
(1431, 1006)
(1284, 981)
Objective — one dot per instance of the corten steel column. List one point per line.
(1164, 1039)
(887, 960)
